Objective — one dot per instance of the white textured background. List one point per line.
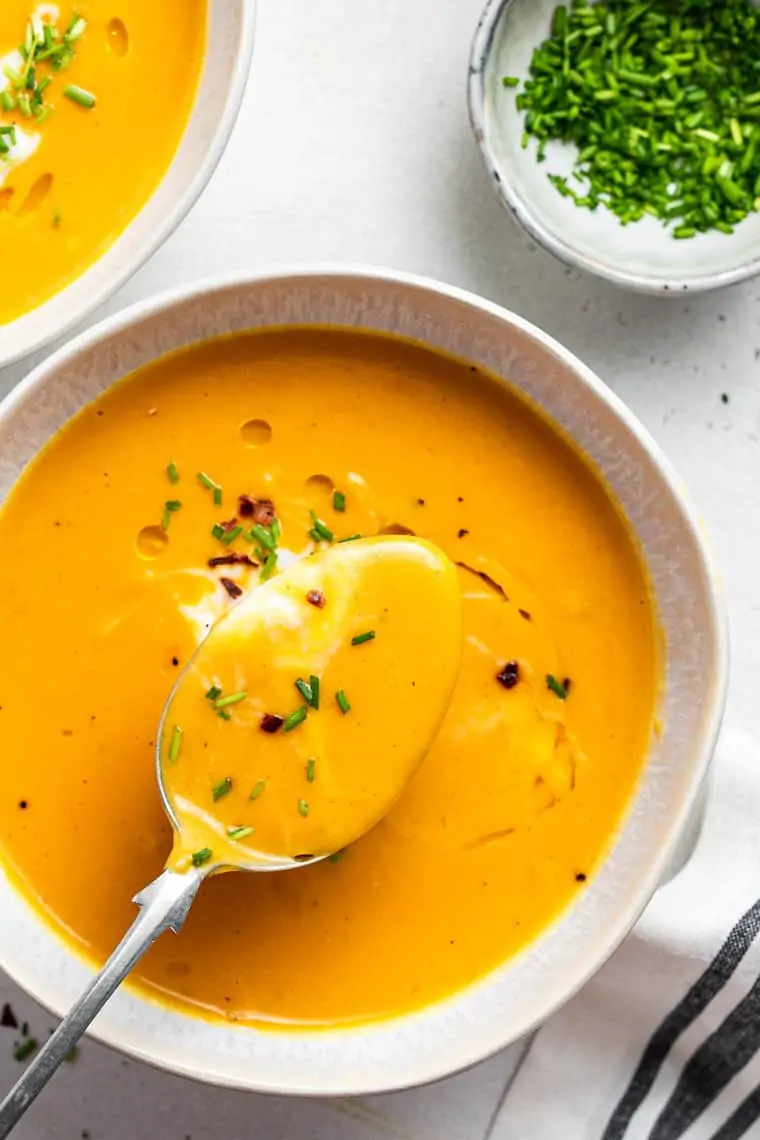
(354, 145)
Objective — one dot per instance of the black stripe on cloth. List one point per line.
(741, 1120)
(716, 1062)
(710, 983)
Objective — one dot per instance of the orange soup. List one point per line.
(120, 547)
(92, 109)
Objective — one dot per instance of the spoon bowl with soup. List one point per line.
(291, 732)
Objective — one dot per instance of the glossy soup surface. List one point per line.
(522, 790)
(78, 176)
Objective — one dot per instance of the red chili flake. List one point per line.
(229, 524)
(231, 587)
(461, 533)
(524, 614)
(489, 581)
(23, 804)
(509, 675)
(271, 723)
(316, 598)
(580, 877)
(566, 685)
(231, 560)
(262, 511)
(8, 1019)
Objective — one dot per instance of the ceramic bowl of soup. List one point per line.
(551, 803)
(106, 141)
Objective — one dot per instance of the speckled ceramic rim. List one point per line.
(471, 1025)
(521, 212)
(139, 241)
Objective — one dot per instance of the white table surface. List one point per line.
(354, 145)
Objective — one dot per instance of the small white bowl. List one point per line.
(220, 92)
(642, 256)
(509, 1002)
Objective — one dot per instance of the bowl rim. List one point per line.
(480, 51)
(435, 1069)
(136, 256)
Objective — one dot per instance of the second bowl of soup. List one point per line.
(552, 798)
(106, 140)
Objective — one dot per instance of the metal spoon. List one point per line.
(165, 903)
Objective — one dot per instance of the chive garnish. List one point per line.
(339, 501)
(223, 714)
(169, 509)
(275, 528)
(172, 472)
(303, 808)
(233, 699)
(292, 720)
(7, 102)
(218, 531)
(269, 566)
(78, 95)
(207, 482)
(175, 745)
(310, 770)
(336, 855)
(360, 638)
(213, 693)
(556, 687)
(314, 686)
(263, 535)
(307, 692)
(323, 533)
(342, 700)
(350, 538)
(223, 788)
(198, 858)
(238, 833)
(257, 790)
(230, 534)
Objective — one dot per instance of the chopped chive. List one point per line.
(7, 102)
(292, 720)
(270, 564)
(217, 496)
(320, 529)
(237, 833)
(198, 858)
(213, 693)
(172, 472)
(511, 81)
(342, 700)
(305, 690)
(556, 687)
(315, 535)
(76, 29)
(169, 509)
(233, 699)
(310, 770)
(337, 856)
(314, 686)
(257, 790)
(360, 638)
(350, 538)
(25, 1049)
(230, 535)
(218, 531)
(223, 788)
(223, 714)
(207, 482)
(276, 529)
(78, 95)
(303, 808)
(339, 501)
(175, 745)
(263, 535)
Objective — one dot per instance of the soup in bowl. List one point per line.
(105, 142)
(151, 459)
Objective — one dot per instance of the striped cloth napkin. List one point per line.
(664, 1043)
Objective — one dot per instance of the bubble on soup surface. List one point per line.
(118, 37)
(256, 433)
(320, 483)
(151, 542)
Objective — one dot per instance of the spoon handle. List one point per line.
(163, 905)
